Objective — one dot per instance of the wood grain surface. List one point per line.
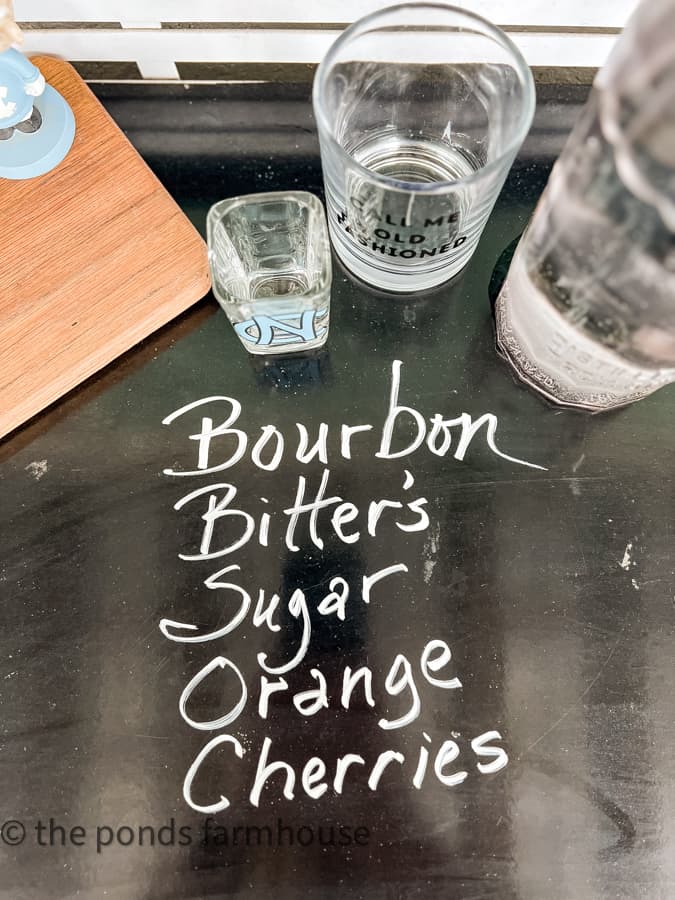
(97, 255)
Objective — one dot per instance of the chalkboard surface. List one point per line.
(468, 688)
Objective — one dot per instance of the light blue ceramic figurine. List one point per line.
(37, 126)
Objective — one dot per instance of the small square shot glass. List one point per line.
(271, 269)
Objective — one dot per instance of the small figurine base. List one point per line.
(29, 154)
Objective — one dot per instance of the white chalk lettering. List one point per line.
(267, 688)
(305, 453)
(395, 411)
(422, 764)
(346, 433)
(350, 680)
(370, 580)
(383, 760)
(438, 438)
(213, 584)
(217, 510)
(308, 703)
(304, 514)
(448, 753)
(266, 769)
(345, 512)
(313, 772)
(434, 663)
(343, 763)
(399, 678)
(208, 432)
(268, 431)
(219, 662)
(216, 741)
(335, 603)
(481, 747)
(312, 508)
(297, 606)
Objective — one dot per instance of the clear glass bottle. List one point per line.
(586, 314)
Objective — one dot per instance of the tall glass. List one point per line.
(421, 109)
(587, 312)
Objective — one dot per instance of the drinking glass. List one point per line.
(271, 270)
(586, 315)
(420, 109)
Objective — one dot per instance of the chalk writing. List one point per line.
(316, 510)
(444, 435)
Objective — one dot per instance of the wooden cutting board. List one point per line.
(95, 255)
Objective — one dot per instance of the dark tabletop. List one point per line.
(553, 588)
